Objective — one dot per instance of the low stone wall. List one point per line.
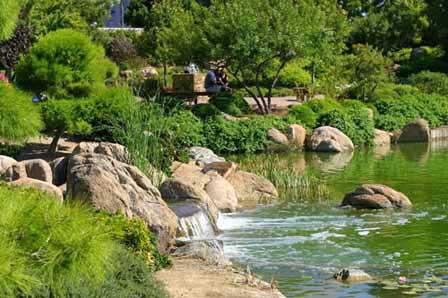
(439, 133)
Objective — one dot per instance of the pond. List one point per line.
(302, 245)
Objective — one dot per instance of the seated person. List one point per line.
(216, 81)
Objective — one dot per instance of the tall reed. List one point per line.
(292, 185)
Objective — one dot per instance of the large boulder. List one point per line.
(382, 138)
(330, 139)
(222, 193)
(116, 151)
(38, 169)
(5, 163)
(250, 187)
(114, 186)
(59, 168)
(224, 168)
(178, 190)
(203, 155)
(40, 185)
(415, 132)
(297, 135)
(277, 136)
(15, 172)
(376, 196)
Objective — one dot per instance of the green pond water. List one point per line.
(301, 245)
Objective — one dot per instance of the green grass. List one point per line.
(292, 185)
(49, 249)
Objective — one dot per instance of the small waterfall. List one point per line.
(197, 227)
(193, 221)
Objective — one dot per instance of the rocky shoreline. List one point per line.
(183, 212)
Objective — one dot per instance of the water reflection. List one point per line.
(331, 162)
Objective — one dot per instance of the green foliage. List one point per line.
(394, 91)
(65, 63)
(49, 15)
(394, 114)
(66, 115)
(430, 82)
(256, 38)
(138, 13)
(294, 74)
(48, 246)
(230, 104)
(135, 235)
(304, 115)
(350, 116)
(245, 136)
(205, 111)
(324, 105)
(413, 61)
(9, 13)
(389, 25)
(369, 68)
(19, 117)
(356, 124)
(132, 278)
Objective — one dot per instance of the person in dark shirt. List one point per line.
(216, 81)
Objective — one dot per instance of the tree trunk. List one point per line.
(274, 83)
(251, 93)
(54, 143)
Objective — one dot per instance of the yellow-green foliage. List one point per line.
(48, 246)
(65, 63)
(9, 11)
(19, 117)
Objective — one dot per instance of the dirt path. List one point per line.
(193, 278)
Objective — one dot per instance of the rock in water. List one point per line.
(330, 139)
(277, 136)
(249, 186)
(297, 135)
(352, 275)
(376, 196)
(114, 186)
(415, 132)
(204, 155)
(382, 138)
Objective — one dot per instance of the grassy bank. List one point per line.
(48, 249)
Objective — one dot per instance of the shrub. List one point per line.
(184, 130)
(65, 63)
(121, 50)
(394, 91)
(430, 82)
(304, 115)
(324, 105)
(356, 124)
(48, 246)
(245, 136)
(294, 75)
(394, 114)
(230, 104)
(19, 117)
(205, 111)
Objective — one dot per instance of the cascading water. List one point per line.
(197, 227)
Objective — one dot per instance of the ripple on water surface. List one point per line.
(302, 245)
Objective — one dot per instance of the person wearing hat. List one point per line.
(216, 80)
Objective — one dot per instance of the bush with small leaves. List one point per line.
(64, 64)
